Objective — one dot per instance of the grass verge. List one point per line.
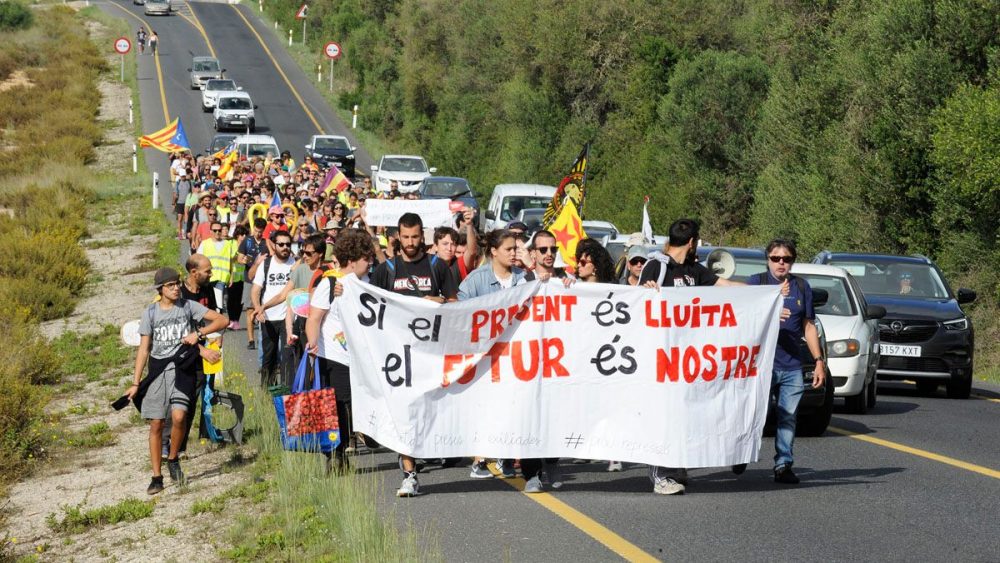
(75, 519)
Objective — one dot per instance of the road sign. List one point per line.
(332, 50)
(302, 13)
(122, 45)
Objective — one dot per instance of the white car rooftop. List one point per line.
(524, 189)
(233, 94)
(819, 270)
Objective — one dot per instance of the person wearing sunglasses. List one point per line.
(677, 266)
(635, 260)
(543, 251)
(268, 297)
(797, 322)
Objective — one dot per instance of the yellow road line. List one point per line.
(156, 58)
(197, 24)
(617, 544)
(985, 398)
(280, 71)
(918, 452)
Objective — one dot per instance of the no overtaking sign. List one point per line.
(122, 45)
(332, 50)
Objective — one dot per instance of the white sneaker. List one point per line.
(410, 486)
(614, 466)
(479, 471)
(534, 485)
(668, 487)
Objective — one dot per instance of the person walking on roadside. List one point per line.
(268, 296)
(169, 346)
(325, 327)
(220, 252)
(140, 39)
(313, 252)
(498, 274)
(234, 293)
(417, 274)
(247, 253)
(797, 323)
(677, 266)
(154, 41)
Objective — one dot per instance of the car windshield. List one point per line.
(404, 165)
(262, 149)
(512, 205)
(206, 66)
(532, 218)
(885, 276)
(600, 232)
(332, 143)
(446, 188)
(221, 142)
(839, 303)
(234, 103)
(221, 85)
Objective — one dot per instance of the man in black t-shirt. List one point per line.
(413, 272)
(677, 266)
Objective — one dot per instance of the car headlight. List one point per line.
(843, 348)
(317, 155)
(351, 156)
(957, 324)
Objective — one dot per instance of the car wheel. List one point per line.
(959, 387)
(872, 397)
(217, 128)
(205, 108)
(858, 404)
(815, 423)
(927, 387)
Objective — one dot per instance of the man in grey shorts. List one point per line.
(170, 345)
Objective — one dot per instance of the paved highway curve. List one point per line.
(918, 477)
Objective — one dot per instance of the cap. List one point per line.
(517, 225)
(165, 276)
(276, 210)
(636, 252)
(224, 195)
(330, 225)
(237, 184)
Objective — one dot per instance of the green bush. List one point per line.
(14, 15)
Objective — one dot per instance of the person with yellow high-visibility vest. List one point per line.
(220, 252)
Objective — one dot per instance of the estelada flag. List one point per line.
(169, 139)
(568, 230)
(334, 181)
(570, 189)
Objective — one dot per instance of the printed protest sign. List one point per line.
(676, 378)
(386, 212)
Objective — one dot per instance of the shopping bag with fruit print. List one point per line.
(308, 418)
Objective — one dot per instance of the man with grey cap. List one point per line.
(170, 346)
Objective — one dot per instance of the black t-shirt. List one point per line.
(688, 274)
(204, 296)
(416, 279)
(556, 273)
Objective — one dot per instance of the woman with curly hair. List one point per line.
(594, 263)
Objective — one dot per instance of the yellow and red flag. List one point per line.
(568, 230)
(169, 139)
(334, 182)
(226, 168)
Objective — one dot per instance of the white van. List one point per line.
(234, 110)
(257, 145)
(508, 200)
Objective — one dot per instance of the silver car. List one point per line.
(157, 7)
(204, 69)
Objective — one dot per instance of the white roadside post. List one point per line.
(319, 73)
(276, 26)
(289, 38)
(354, 117)
(130, 112)
(156, 185)
(260, 5)
(135, 160)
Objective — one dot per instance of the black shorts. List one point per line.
(179, 209)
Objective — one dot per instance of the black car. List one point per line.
(332, 149)
(219, 142)
(926, 337)
(457, 190)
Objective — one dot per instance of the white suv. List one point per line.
(234, 110)
(852, 336)
(408, 171)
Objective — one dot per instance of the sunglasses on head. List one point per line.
(782, 259)
(547, 249)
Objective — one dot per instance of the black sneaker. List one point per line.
(155, 486)
(784, 475)
(176, 474)
(739, 468)
(251, 345)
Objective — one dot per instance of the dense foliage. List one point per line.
(845, 124)
(14, 15)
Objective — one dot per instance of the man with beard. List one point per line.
(268, 297)
(677, 266)
(543, 254)
(415, 273)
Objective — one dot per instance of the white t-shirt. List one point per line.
(332, 340)
(277, 277)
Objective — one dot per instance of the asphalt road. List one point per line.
(916, 478)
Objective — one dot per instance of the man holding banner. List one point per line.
(416, 274)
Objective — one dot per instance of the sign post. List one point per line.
(123, 46)
(332, 51)
(301, 15)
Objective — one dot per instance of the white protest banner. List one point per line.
(386, 212)
(676, 378)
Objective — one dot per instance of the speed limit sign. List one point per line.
(332, 50)
(122, 45)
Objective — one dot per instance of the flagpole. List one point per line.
(583, 184)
